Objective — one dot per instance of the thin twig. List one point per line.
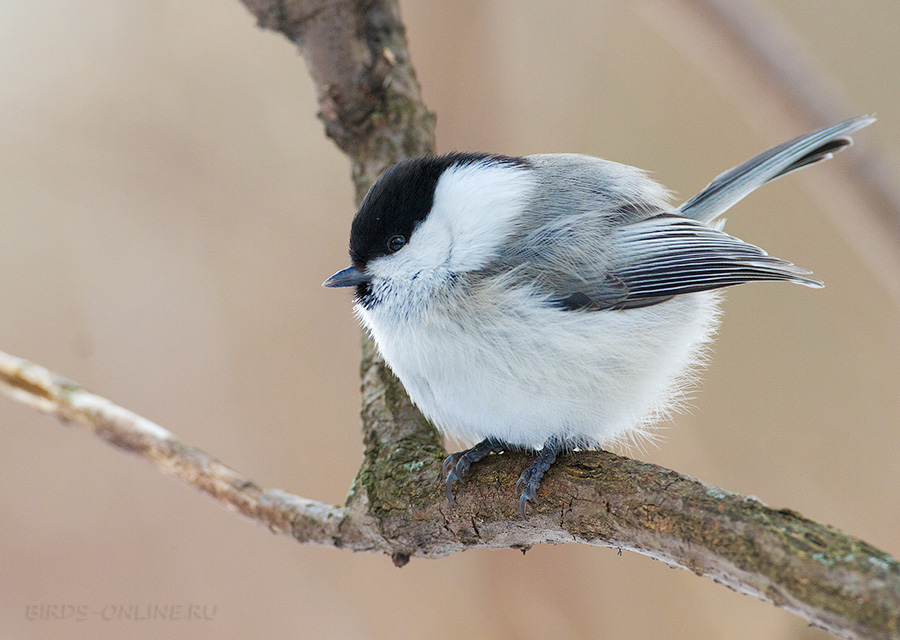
(306, 520)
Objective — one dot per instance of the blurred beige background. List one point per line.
(169, 208)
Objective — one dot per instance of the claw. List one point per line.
(527, 487)
(530, 480)
(448, 469)
(451, 478)
(456, 465)
(523, 499)
(449, 461)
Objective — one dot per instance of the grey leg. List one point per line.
(456, 466)
(530, 480)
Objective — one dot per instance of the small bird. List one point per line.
(552, 302)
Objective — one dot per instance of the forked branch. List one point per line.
(369, 101)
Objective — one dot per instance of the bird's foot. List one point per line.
(456, 466)
(530, 480)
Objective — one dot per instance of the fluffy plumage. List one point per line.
(552, 301)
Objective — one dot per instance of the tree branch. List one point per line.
(369, 101)
(835, 581)
(374, 113)
(367, 90)
(306, 520)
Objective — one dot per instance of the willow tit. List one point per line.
(552, 302)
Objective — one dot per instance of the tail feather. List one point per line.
(736, 183)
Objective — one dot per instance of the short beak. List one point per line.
(349, 277)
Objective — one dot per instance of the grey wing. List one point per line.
(668, 255)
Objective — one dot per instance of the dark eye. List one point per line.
(396, 243)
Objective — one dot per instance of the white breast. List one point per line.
(592, 377)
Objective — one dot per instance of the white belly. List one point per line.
(590, 377)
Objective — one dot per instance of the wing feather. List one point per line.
(668, 255)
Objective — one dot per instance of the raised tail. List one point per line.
(730, 187)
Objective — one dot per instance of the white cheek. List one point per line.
(473, 212)
(477, 205)
(429, 249)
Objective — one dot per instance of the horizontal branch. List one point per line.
(369, 102)
(306, 520)
(833, 580)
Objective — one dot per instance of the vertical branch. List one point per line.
(370, 103)
(367, 90)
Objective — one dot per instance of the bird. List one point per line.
(553, 302)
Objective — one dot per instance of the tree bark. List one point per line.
(370, 105)
(398, 507)
(367, 90)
